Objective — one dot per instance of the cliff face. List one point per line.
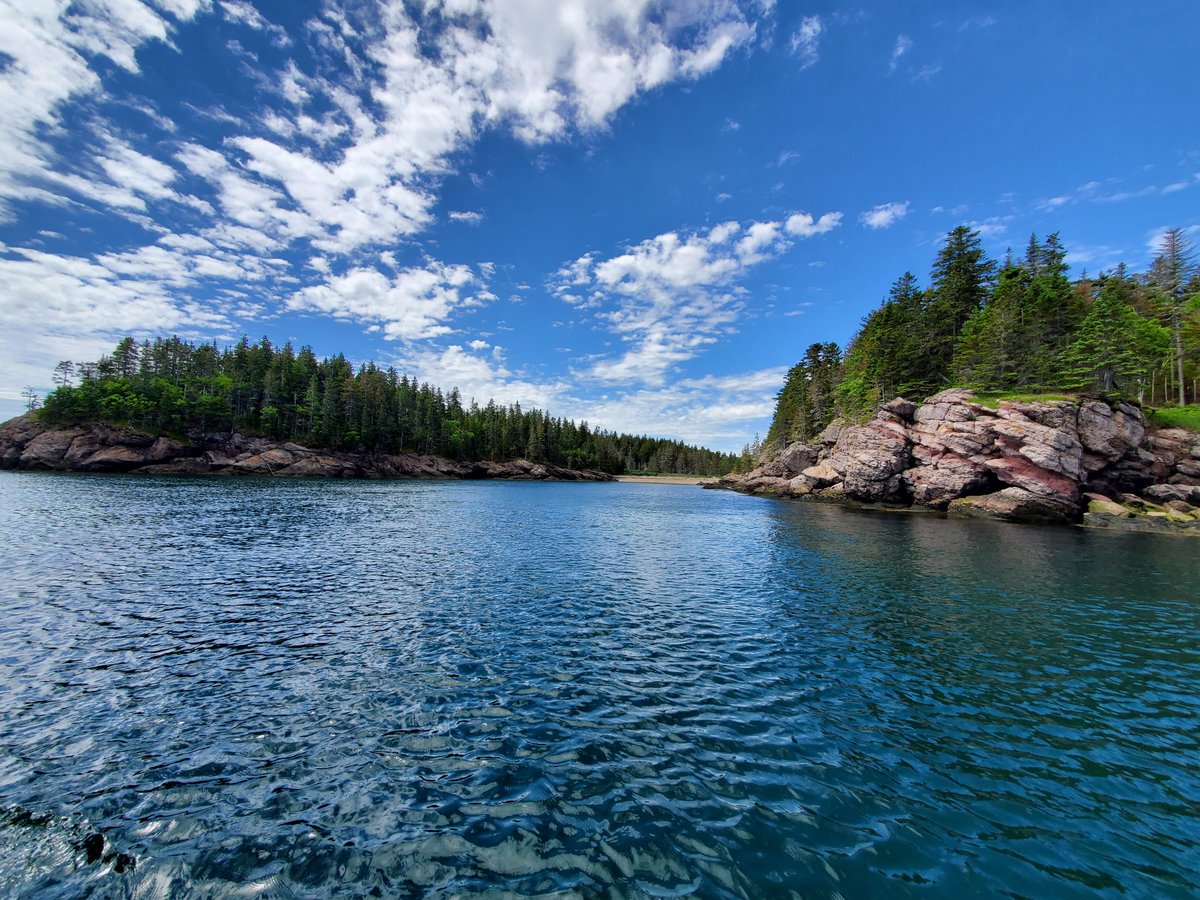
(1034, 462)
(26, 443)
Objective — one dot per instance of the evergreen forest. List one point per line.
(1017, 327)
(172, 386)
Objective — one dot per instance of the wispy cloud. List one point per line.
(903, 45)
(806, 41)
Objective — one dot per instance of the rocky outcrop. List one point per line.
(1044, 461)
(26, 443)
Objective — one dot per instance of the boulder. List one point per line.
(901, 408)
(1014, 504)
(821, 475)
(871, 459)
(791, 461)
(800, 486)
(830, 435)
(1098, 504)
(1166, 492)
(936, 485)
(1026, 475)
(1048, 448)
(1109, 433)
(46, 450)
(115, 459)
(1188, 467)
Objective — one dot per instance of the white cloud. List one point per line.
(992, 227)
(668, 297)
(903, 45)
(885, 215)
(471, 217)
(803, 224)
(483, 378)
(806, 41)
(721, 412)
(56, 49)
(410, 304)
(927, 72)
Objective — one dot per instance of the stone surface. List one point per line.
(821, 475)
(1014, 504)
(1110, 432)
(27, 443)
(1023, 461)
(1103, 505)
(871, 459)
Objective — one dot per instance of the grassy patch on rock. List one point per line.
(992, 399)
(1177, 417)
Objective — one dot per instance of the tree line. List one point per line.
(1020, 326)
(172, 386)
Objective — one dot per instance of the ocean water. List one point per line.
(270, 688)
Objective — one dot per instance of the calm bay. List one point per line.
(223, 687)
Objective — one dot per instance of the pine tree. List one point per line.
(1115, 349)
(961, 280)
(1169, 273)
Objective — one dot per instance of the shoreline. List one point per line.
(31, 446)
(686, 480)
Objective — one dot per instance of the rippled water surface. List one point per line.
(219, 688)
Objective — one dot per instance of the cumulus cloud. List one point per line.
(343, 157)
(669, 297)
(410, 304)
(54, 50)
(803, 224)
(885, 215)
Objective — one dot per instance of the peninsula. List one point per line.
(172, 407)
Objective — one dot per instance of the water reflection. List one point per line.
(434, 689)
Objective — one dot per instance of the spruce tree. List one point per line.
(1114, 349)
(961, 279)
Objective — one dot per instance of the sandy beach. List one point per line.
(665, 479)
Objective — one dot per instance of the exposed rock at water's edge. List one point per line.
(26, 443)
(1065, 461)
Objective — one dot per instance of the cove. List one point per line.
(211, 687)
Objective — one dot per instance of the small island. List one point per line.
(172, 407)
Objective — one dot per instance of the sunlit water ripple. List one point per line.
(215, 688)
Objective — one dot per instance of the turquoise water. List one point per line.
(214, 688)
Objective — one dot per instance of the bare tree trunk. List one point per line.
(1177, 325)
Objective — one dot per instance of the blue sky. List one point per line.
(633, 212)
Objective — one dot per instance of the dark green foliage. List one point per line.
(1014, 340)
(174, 387)
(885, 357)
(806, 404)
(961, 281)
(1026, 329)
(1114, 349)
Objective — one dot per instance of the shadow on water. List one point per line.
(223, 688)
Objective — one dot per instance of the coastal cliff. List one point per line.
(1064, 461)
(26, 443)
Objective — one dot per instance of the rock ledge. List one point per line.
(1083, 461)
(26, 443)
